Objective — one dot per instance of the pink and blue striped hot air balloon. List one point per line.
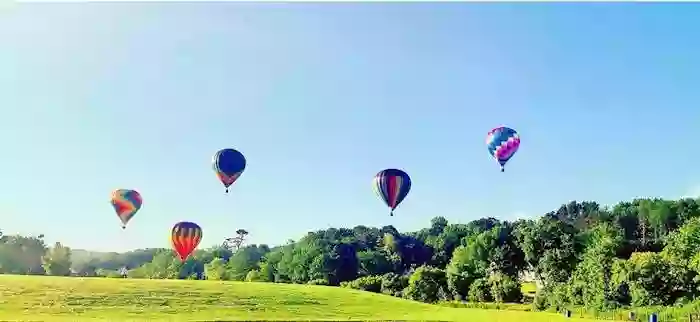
(502, 143)
(392, 185)
(126, 203)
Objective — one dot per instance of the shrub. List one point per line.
(318, 281)
(365, 283)
(427, 284)
(394, 284)
(480, 291)
(253, 276)
(649, 280)
(217, 270)
(540, 302)
(619, 285)
(505, 289)
(462, 271)
(558, 296)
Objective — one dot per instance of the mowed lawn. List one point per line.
(43, 298)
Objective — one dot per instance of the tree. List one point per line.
(504, 288)
(216, 270)
(682, 252)
(234, 243)
(22, 254)
(550, 249)
(638, 252)
(372, 262)
(245, 260)
(57, 260)
(649, 280)
(591, 284)
(427, 284)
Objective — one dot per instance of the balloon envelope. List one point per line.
(502, 143)
(185, 238)
(228, 165)
(126, 203)
(392, 186)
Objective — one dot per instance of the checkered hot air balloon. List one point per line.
(392, 185)
(185, 238)
(126, 203)
(502, 143)
(228, 165)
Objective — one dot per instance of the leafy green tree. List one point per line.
(591, 281)
(462, 271)
(505, 288)
(550, 249)
(57, 260)
(245, 260)
(253, 276)
(682, 252)
(374, 262)
(365, 283)
(480, 291)
(684, 244)
(22, 254)
(394, 284)
(649, 280)
(638, 252)
(216, 270)
(427, 284)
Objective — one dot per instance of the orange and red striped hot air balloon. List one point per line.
(185, 237)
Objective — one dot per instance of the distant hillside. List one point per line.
(85, 260)
(84, 256)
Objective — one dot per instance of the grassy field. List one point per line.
(91, 299)
(529, 289)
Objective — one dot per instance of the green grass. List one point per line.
(529, 288)
(90, 299)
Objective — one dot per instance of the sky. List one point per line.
(320, 97)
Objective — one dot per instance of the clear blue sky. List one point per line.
(321, 97)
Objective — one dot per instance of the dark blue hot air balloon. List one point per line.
(228, 165)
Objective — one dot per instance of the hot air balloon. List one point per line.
(126, 203)
(228, 165)
(185, 237)
(502, 143)
(392, 185)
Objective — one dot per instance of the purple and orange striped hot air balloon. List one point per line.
(392, 185)
(126, 203)
(502, 143)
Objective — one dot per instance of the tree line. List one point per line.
(644, 252)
